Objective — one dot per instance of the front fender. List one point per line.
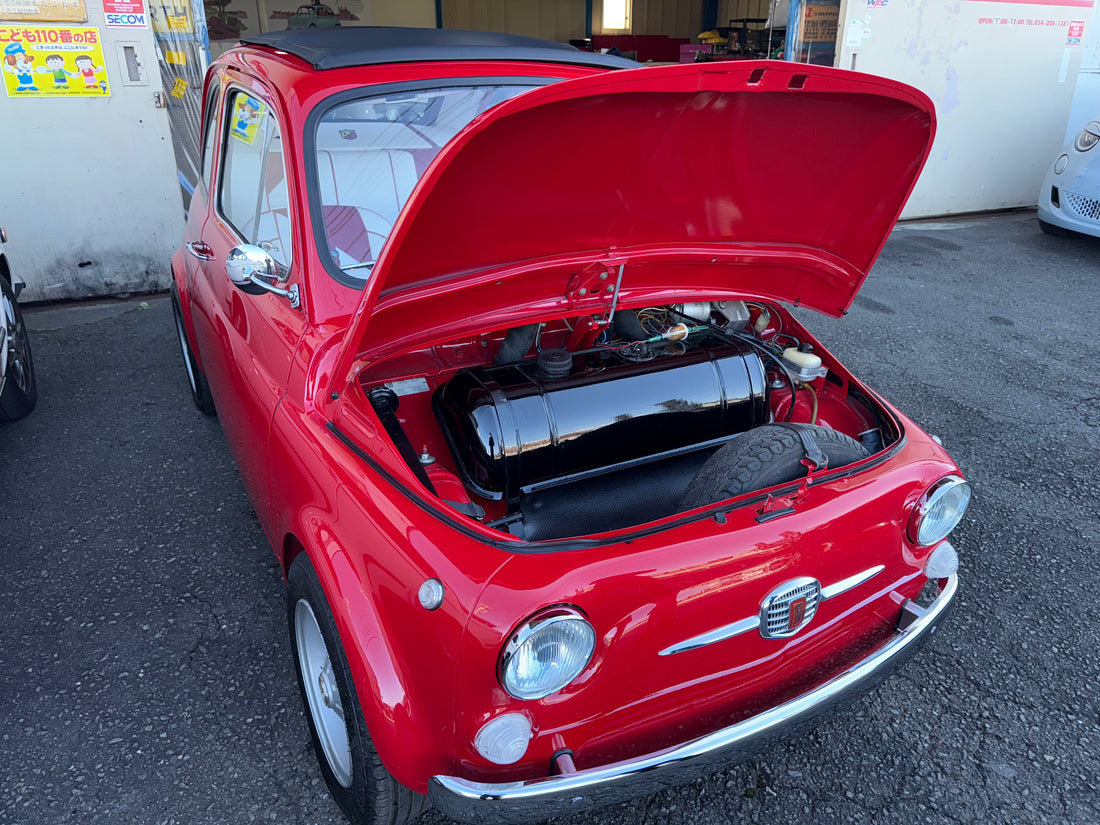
(402, 736)
(372, 549)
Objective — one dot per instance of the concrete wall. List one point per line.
(88, 187)
(1002, 75)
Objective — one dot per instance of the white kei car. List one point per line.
(1069, 199)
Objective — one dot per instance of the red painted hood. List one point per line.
(776, 179)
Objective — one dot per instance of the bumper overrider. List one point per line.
(553, 796)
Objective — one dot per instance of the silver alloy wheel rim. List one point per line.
(326, 706)
(182, 333)
(12, 346)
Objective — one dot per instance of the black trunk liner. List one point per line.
(621, 499)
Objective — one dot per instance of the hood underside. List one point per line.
(787, 177)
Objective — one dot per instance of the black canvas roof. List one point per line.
(347, 46)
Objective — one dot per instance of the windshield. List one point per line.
(371, 151)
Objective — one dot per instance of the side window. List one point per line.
(209, 136)
(252, 192)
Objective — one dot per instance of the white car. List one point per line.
(18, 390)
(1069, 200)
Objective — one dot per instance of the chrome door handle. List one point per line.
(200, 250)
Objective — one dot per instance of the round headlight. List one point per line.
(939, 511)
(1087, 137)
(546, 653)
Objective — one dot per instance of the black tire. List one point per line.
(1056, 231)
(355, 775)
(200, 390)
(18, 387)
(762, 458)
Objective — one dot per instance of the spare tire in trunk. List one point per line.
(764, 457)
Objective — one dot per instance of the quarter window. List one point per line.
(252, 192)
(209, 135)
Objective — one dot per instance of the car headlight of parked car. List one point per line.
(939, 511)
(546, 653)
(1087, 137)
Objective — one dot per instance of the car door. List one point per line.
(198, 209)
(247, 341)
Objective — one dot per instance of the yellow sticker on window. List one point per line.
(176, 58)
(179, 89)
(246, 115)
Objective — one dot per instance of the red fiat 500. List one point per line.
(571, 507)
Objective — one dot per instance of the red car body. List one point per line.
(606, 190)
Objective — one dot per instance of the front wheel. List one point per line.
(355, 775)
(1055, 230)
(18, 389)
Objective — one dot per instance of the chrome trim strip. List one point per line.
(553, 796)
(718, 635)
(753, 622)
(834, 590)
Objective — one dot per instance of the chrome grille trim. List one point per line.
(718, 635)
(789, 608)
(741, 626)
(844, 585)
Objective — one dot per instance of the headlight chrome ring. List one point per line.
(546, 652)
(1087, 137)
(939, 511)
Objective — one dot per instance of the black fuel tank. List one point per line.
(510, 426)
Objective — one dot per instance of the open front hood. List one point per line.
(776, 179)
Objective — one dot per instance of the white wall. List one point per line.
(88, 190)
(1002, 76)
(1086, 96)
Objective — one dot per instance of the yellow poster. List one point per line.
(53, 61)
(171, 16)
(247, 112)
(44, 11)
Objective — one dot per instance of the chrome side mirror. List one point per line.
(252, 270)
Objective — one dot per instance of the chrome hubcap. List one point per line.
(330, 694)
(326, 707)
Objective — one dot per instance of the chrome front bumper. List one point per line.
(554, 796)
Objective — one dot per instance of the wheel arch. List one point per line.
(398, 725)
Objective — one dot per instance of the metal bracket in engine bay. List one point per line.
(600, 281)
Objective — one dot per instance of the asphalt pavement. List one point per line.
(145, 670)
